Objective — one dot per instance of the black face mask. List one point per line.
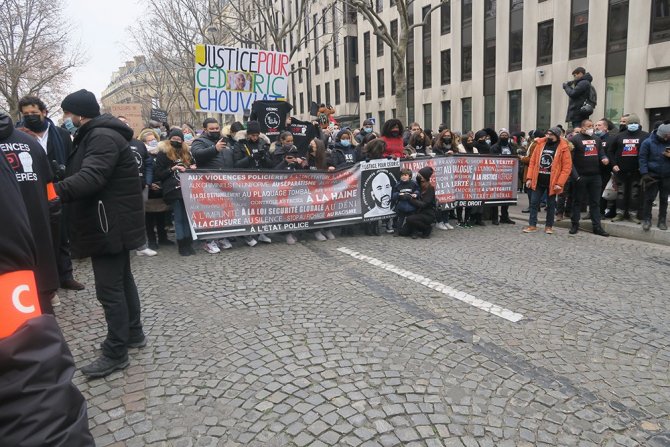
(175, 144)
(504, 141)
(623, 127)
(550, 141)
(214, 136)
(447, 141)
(35, 123)
(395, 133)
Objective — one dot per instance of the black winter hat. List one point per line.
(426, 172)
(176, 133)
(253, 128)
(368, 122)
(480, 134)
(236, 127)
(82, 103)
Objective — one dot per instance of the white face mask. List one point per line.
(588, 132)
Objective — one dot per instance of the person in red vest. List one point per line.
(392, 136)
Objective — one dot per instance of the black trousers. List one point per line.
(418, 223)
(155, 223)
(117, 292)
(504, 213)
(62, 247)
(662, 188)
(588, 189)
(629, 200)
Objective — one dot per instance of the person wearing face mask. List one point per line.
(421, 222)
(446, 143)
(189, 134)
(57, 142)
(156, 209)
(601, 130)
(587, 157)
(548, 170)
(366, 129)
(281, 147)
(655, 170)
(392, 136)
(344, 153)
(626, 168)
(419, 145)
(174, 158)
(210, 149)
(504, 146)
(482, 142)
(106, 217)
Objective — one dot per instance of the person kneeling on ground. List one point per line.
(405, 190)
(421, 222)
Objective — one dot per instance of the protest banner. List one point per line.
(132, 112)
(236, 202)
(159, 115)
(471, 180)
(229, 80)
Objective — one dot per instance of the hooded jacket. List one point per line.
(578, 93)
(170, 181)
(341, 157)
(103, 190)
(652, 160)
(560, 168)
(203, 150)
(31, 169)
(252, 155)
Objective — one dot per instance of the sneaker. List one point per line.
(263, 238)
(549, 230)
(574, 229)
(662, 226)
(251, 242)
(55, 301)
(559, 217)
(495, 222)
(329, 235)
(224, 244)
(530, 229)
(441, 226)
(318, 235)
(618, 218)
(449, 226)
(211, 247)
(646, 225)
(137, 344)
(291, 239)
(146, 252)
(507, 221)
(389, 226)
(104, 366)
(526, 210)
(609, 213)
(634, 219)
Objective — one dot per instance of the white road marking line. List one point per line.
(438, 286)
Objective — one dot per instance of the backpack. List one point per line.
(593, 95)
(590, 102)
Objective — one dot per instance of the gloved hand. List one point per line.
(258, 155)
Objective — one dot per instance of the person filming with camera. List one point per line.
(581, 96)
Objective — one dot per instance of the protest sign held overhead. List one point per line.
(229, 80)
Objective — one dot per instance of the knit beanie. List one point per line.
(502, 131)
(236, 127)
(176, 133)
(633, 119)
(480, 134)
(426, 172)
(663, 131)
(556, 131)
(253, 127)
(82, 103)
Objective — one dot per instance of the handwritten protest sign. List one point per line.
(229, 80)
(132, 112)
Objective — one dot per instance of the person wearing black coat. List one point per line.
(251, 151)
(39, 404)
(578, 91)
(33, 174)
(421, 222)
(210, 149)
(106, 218)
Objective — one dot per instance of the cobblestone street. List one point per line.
(326, 344)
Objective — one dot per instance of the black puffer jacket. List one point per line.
(170, 180)
(578, 93)
(103, 189)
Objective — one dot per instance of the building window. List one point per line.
(660, 21)
(490, 111)
(446, 113)
(614, 95)
(380, 46)
(427, 59)
(428, 116)
(326, 87)
(393, 113)
(515, 111)
(445, 67)
(316, 43)
(326, 62)
(579, 28)
(545, 42)
(302, 103)
(336, 37)
(515, 35)
(300, 71)
(380, 83)
(466, 109)
(366, 61)
(466, 40)
(543, 118)
(318, 94)
(337, 92)
(445, 18)
(379, 5)
(617, 38)
(466, 64)
(466, 11)
(658, 74)
(382, 118)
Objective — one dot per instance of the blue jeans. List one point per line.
(181, 228)
(535, 198)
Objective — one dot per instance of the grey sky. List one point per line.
(101, 25)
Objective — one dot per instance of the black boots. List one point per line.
(185, 246)
(574, 229)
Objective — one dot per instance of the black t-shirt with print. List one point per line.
(546, 161)
(303, 133)
(271, 115)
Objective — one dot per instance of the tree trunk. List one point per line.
(400, 77)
